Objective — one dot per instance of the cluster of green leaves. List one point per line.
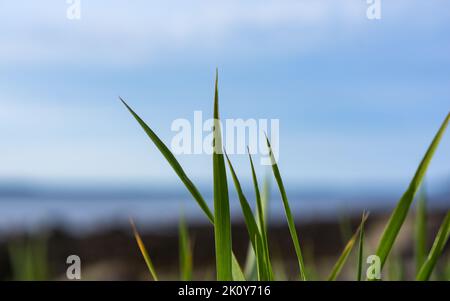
(228, 268)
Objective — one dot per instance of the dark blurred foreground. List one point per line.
(111, 253)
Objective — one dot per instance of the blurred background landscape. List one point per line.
(358, 101)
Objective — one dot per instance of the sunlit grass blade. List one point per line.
(360, 250)
(144, 252)
(237, 271)
(185, 249)
(262, 223)
(399, 214)
(287, 209)
(222, 223)
(346, 252)
(421, 230)
(436, 250)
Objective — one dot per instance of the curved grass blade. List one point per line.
(173, 162)
(249, 218)
(222, 223)
(144, 252)
(398, 216)
(288, 212)
(348, 248)
(438, 246)
(237, 271)
(360, 251)
(185, 250)
(262, 223)
(421, 230)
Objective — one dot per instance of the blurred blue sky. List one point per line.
(358, 100)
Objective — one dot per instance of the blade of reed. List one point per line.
(436, 250)
(249, 218)
(237, 271)
(173, 162)
(398, 216)
(346, 252)
(360, 251)
(185, 250)
(287, 209)
(250, 262)
(144, 252)
(222, 223)
(260, 265)
(421, 230)
(262, 223)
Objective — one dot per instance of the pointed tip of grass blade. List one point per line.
(144, 251)
(222, 220)
(400, 212)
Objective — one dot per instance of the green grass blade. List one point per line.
(222, 223)
(237, 271)
(260, 264)
(250, 262)
(144, 252)
(398, 216)
(346, 252)
(421, 230)
(262, 223)
(287, 209)
(173, 162)
(360, 251)
(185, 249)
(249, 218)
(438, 246)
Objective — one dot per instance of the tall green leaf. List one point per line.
(262, 223)
(250, 262)
(421, 230)
(346, 252)
(222, 223)
(436, 250)
(287, 209)
(249, 218)
(250, 221)
(173, 162)
(144, 251)
(398, 216)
